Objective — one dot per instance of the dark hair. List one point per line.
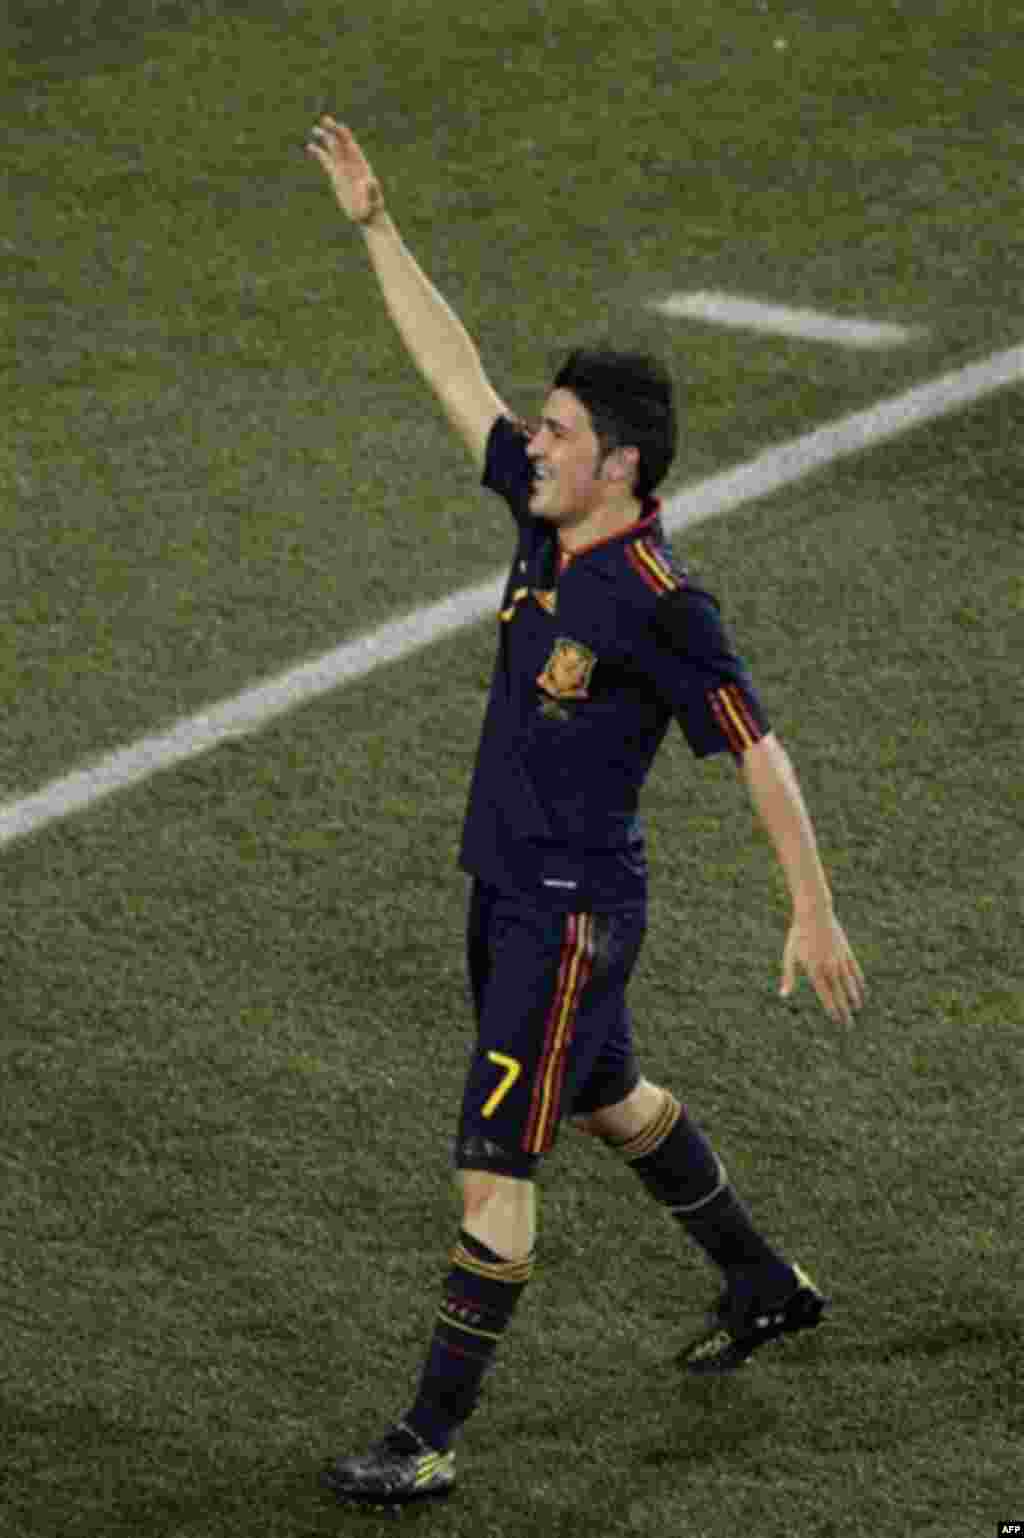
(629, 398)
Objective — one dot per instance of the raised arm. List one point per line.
(435, 338)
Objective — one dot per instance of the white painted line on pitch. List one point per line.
(780, 320)
(252, 709)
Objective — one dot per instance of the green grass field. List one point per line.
(236, 1014)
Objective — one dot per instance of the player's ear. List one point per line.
(623, 463)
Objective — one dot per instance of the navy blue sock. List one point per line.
(683, 1173)
(478, 1300)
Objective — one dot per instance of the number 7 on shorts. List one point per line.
(512, 1069)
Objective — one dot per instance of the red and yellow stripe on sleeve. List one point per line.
(738, 724)
(646, 561)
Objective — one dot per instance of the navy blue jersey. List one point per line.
(597, 653)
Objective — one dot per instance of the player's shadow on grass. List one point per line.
(720, 1422)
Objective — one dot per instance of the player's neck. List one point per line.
(601, 524)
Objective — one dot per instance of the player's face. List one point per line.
(566, 457)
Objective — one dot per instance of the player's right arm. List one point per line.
(435, 338)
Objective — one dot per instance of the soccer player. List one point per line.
(603, 640)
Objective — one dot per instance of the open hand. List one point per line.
(817, 945)
(357, 189)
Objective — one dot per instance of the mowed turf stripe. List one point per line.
(254, 707)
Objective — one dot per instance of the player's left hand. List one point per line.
(817, 944)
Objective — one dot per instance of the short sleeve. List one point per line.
(692, 664)
(507, 469)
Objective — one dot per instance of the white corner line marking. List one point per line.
(252, 709)
(781, 320)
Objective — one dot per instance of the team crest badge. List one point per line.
(547, 600)
(568, 671)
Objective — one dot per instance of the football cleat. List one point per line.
(742, 1322)
(397, 1469)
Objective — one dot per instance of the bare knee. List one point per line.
(628, 1117)
(500, 1211)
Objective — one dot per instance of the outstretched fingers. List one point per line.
(322, 137)
(840, 987)
(340, 142)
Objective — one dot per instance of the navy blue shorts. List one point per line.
(554, 1033)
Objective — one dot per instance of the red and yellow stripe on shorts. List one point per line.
(575, 967)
